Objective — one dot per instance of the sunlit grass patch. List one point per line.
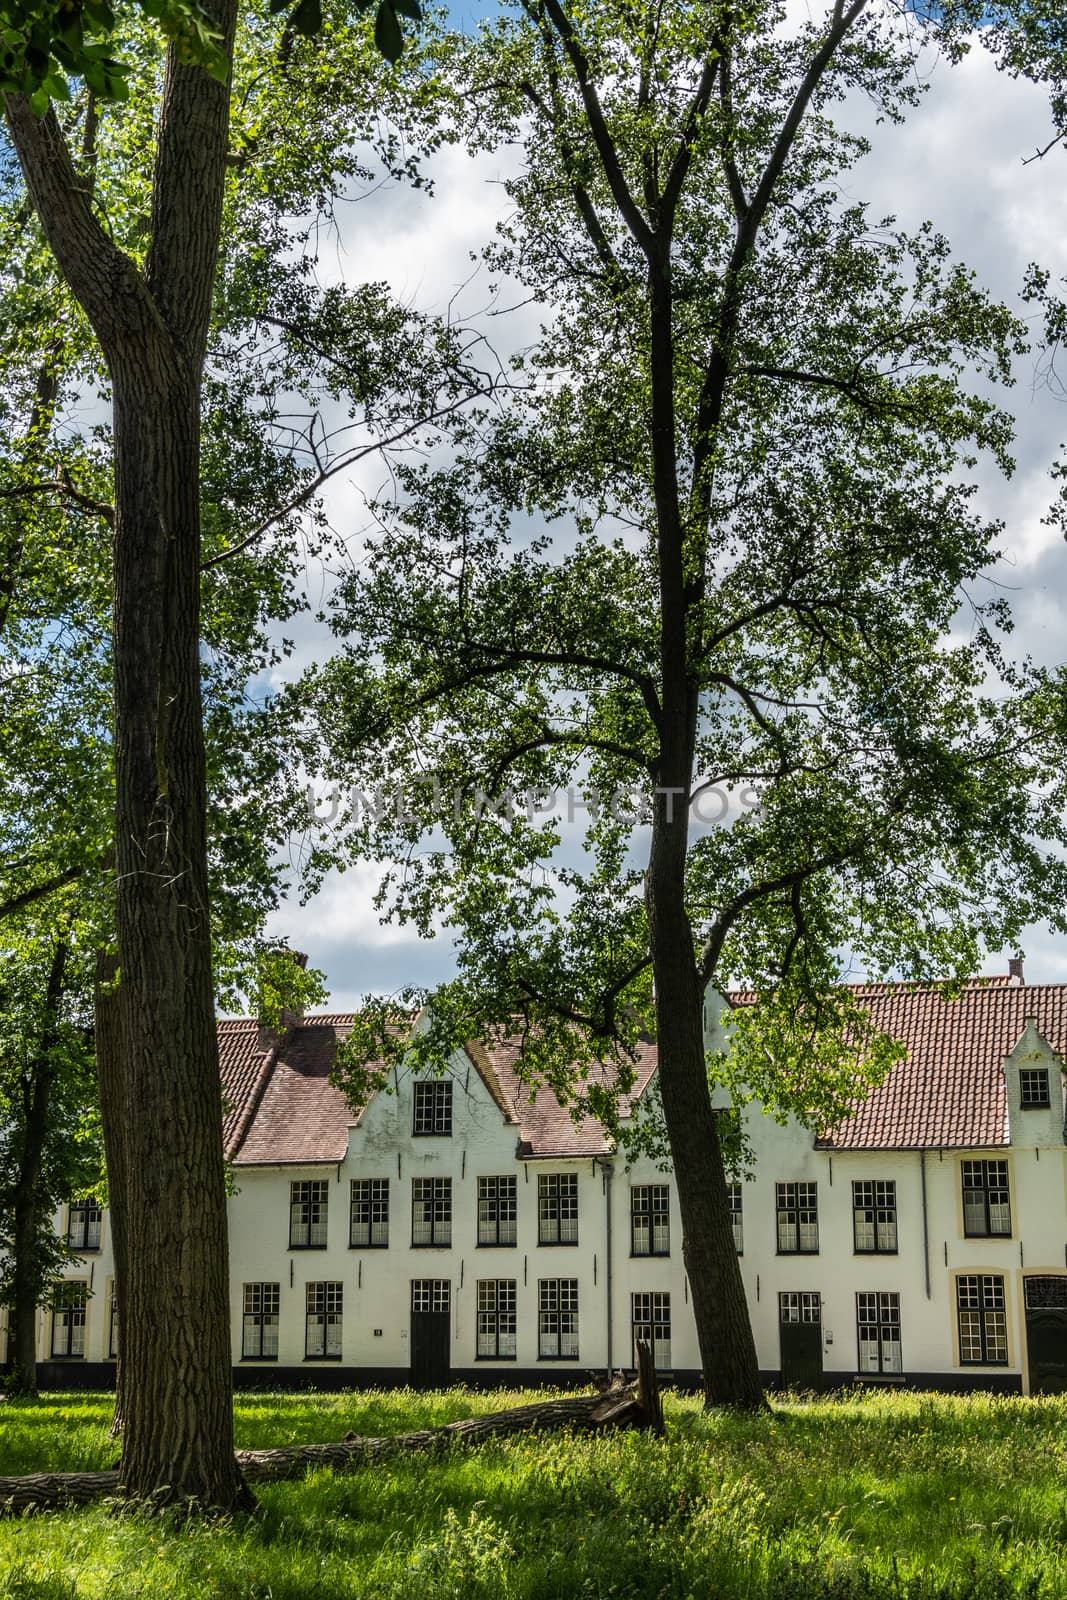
(880, 1495)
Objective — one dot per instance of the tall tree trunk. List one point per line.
(177, 1399)
(110, 1069)
(727, 1349)
(28, 1218)
(152, 326)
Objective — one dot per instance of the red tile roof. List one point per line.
(545, 1127)
(281, 1107)
(243, 1064)
(948, 1092)
(300, 1116)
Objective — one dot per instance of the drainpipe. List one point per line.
(926, 1228)
(608, 1169)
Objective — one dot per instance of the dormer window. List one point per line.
(432, 1112)
(1033, 1088)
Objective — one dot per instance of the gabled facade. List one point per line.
(456, 1230)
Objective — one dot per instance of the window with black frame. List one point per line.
(84, 1223)
(431, 1212)
(323, 1321)
(650, 1322)
(986, 1199)
(368, 1223)
(557, 1319)
(432, 1108)
(69, 1308)
(874, 1216)
(982, 1320)
(737, 1221)
(798, 1218)
(308, 1205)
(496, 1319)
(878, 1333)
(650, 1220)
(557, 1208)
(259, 1322)
(1034, 1088)
(497, 1211)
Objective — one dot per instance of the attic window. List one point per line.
(1033, 1087)
(433, 1107)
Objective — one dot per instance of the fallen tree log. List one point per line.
(618, 1404)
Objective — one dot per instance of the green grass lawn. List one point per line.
(858, 1499)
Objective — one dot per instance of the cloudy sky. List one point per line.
(958, 161)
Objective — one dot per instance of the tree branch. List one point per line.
(605, 145)
(579, 193)
(683, 156)
(66, 489)
(29, 897)
(783, 881)
(102, 277)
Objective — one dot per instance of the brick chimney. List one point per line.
(1015, 972)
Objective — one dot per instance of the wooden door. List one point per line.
(431, 1333)
(1046, 1333)
(800, 1336)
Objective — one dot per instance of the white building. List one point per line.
(455, 1231)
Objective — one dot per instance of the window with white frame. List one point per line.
(322, 1327)
(557, 1319)
(878, 1332)
(983, 1320)
(557, 1208)
(874, 1216)
(431, 1212)
(69, 1303)
(496, 1319)
(497, 1211)
(368, 1223)
(800, 1305)
(986, 1202)
(431, 1294)
(737, 1222)
(308, 1201)
(1033, 1087)
(432, 1107)
(259, 1324)
(84, 1221)
(650, 1219)
(650, 1322)
(798, 1218)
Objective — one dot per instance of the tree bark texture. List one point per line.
(619, 1405)
(28, 1218)
(110, 1066)
(152, 327)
